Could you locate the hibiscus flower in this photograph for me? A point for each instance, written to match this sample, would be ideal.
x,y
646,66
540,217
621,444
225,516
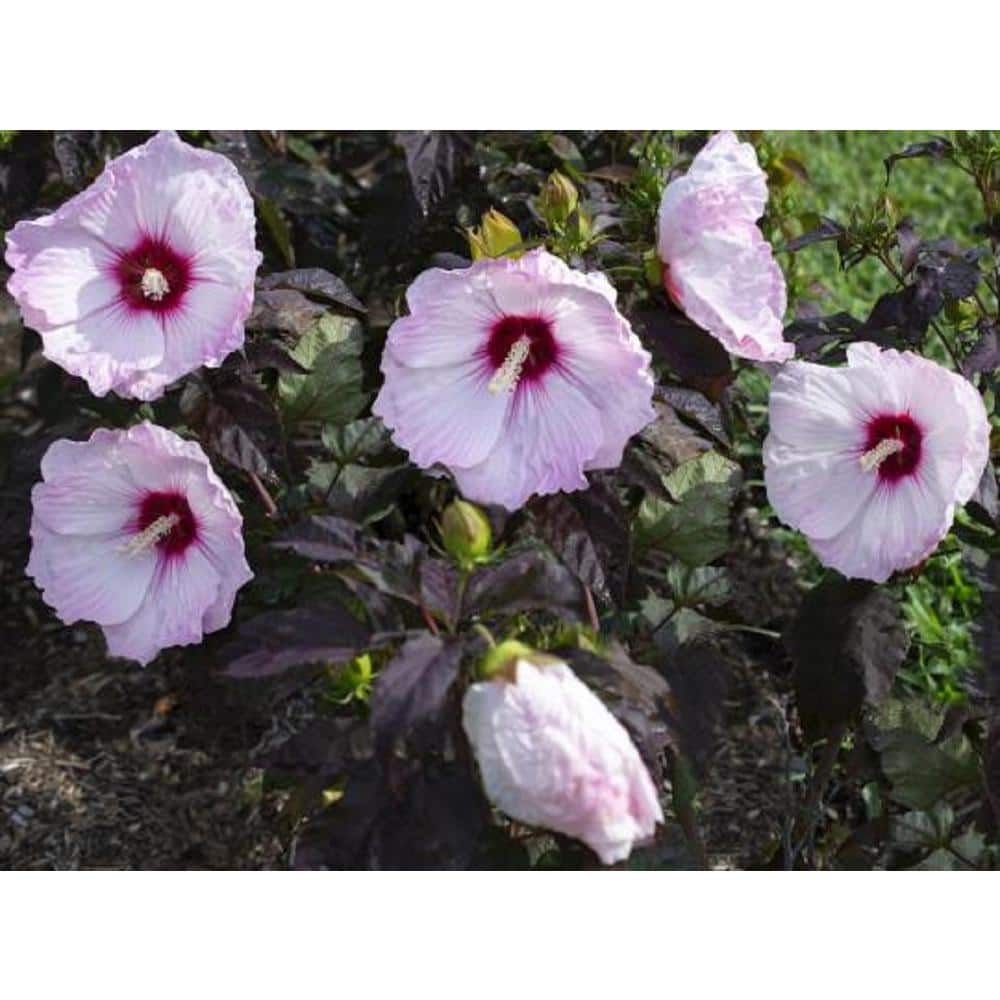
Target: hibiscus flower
x,y
552,755
516,376
134,531
718,268
870,460
145,275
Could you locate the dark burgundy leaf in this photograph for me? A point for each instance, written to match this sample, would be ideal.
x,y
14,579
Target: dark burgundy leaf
x,y
684,347
697,409
984,569
323,539
237,419
909,244
991,766
411,691
338,838
313,281
811,335
436,823
589,531
986,498
637,695
439,589
325,749
847,643
278,640
529,580
283,309
431,160
698,676
937,148
828,229
985,356
263,354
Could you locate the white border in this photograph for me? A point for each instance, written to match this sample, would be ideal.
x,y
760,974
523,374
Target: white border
x,y
521,64
496,936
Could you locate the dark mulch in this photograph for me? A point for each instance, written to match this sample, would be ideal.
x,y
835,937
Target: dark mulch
x,y
107,765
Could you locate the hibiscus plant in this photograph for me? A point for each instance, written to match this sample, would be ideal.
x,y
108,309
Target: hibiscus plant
x,y
505,456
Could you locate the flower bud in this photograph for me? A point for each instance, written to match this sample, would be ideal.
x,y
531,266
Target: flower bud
x,y
466,532
557,200
551,754
496,236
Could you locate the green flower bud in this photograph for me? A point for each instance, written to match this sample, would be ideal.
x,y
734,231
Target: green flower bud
x,y
466,532
558,200
496,236
499,661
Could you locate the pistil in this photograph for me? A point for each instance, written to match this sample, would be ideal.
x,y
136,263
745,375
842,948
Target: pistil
x,y
148,537
509,373
154,285
871,460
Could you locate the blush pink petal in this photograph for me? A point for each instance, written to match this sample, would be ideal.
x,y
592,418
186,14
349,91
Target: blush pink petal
x,y
68,278
443,414
539,434
86,577
552,432
172,614
551,755
719,268
856,521
87,513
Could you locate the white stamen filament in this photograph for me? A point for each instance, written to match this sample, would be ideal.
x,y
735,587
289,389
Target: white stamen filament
x,y
147,538
509,373
872,459
154,284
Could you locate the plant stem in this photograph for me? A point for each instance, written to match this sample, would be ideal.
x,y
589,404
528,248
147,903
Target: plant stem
x,y
805,828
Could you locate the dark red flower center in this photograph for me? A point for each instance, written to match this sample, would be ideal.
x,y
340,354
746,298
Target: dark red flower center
x,y
153,276
172,512
898,427
529,337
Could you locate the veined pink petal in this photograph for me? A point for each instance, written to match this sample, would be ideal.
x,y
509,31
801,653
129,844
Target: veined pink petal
x,y
88,576
443,414
718,267
870,460
160,246
133,530
551,755
516,375
107,347
171,614
551,433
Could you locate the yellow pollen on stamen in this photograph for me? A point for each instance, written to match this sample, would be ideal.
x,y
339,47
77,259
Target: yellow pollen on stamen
x,y
154,284
509,373
872,459
147,538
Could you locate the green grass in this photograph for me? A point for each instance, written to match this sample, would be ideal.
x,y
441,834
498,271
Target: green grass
x,y
847,169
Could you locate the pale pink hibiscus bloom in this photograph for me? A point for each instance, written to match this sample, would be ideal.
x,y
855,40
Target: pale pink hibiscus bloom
x,y
869,461
718,268
145,275
551,755
134,531
516,376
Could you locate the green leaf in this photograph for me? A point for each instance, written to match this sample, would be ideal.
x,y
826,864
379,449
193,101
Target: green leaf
x,y
277,226
366,474
922,773
331,392
709,468
695,528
